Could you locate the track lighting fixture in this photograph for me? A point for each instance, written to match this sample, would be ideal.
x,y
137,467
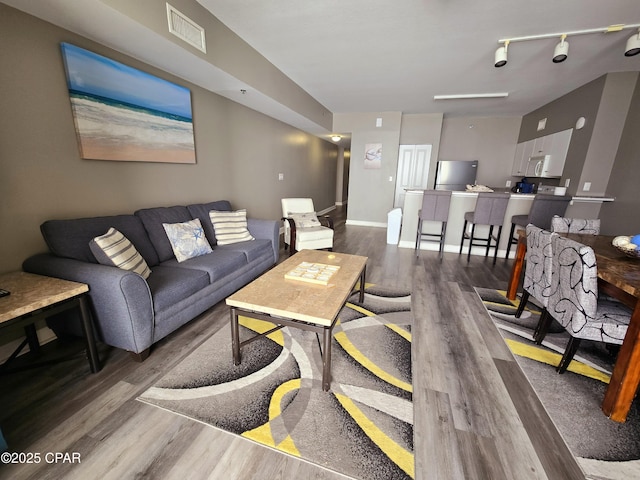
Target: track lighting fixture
x,y
501,55
633,45
561,50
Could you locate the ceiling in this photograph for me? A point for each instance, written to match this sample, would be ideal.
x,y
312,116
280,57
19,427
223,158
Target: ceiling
x,y
384,56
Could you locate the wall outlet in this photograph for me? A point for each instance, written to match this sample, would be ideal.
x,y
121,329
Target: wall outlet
x,y
587,186
281,176
508,183
567,182
391,179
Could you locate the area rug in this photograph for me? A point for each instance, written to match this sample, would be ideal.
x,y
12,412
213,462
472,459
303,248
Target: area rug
x,y
362,427
605,449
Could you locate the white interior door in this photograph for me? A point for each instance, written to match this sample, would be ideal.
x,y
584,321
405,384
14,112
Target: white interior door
x,y
413,170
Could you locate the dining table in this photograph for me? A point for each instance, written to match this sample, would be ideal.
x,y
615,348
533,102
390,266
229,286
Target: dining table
x,y
618,277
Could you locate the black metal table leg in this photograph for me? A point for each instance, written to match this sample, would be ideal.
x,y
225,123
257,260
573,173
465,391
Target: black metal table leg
x,y
326,359
89,334
235,336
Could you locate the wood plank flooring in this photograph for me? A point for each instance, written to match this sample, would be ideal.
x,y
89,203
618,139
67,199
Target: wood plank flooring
x,y
476,415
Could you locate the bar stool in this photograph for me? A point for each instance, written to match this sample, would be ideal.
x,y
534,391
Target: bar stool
x,y
435,208
543,208
490,210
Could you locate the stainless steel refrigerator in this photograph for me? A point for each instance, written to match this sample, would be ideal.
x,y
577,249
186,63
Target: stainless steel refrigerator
x,y
455,174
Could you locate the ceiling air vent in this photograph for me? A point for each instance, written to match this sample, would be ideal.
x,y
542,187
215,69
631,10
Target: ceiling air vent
x,y
186,29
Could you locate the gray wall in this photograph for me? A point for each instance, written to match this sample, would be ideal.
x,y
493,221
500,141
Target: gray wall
x,y
490,140
604,103
622,217
604,152
239,151
371,193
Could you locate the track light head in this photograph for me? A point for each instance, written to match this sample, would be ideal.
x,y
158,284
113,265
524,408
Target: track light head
x,y
561,51
501,56
633,45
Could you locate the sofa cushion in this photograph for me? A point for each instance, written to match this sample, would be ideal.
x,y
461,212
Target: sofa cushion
x,y
70,238
201,211
218,264
153,218
187,239
170,285
230,227
114,249
252,250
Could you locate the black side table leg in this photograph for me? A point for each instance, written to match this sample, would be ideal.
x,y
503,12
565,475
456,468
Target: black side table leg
x,y
89,335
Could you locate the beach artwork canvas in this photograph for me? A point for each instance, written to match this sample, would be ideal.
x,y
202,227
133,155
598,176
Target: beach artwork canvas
x,y
124,114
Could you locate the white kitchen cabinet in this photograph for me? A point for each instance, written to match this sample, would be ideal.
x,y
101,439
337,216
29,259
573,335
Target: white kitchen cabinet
x,y
554,146
557,152
524,151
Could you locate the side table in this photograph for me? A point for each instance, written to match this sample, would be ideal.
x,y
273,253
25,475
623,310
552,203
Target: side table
x,y
35,297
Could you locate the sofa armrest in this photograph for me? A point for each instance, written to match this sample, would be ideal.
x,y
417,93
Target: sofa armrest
x,y
267,229
121,300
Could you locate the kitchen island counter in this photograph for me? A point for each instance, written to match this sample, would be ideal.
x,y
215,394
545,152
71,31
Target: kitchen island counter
x,y
462,202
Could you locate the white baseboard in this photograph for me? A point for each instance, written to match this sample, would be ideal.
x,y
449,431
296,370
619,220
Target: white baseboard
x,y
434,247
361,223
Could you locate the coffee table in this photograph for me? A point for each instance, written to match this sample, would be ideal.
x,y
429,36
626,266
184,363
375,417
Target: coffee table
x,y
295,303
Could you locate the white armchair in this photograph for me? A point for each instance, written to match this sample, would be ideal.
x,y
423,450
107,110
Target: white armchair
x,y
303,229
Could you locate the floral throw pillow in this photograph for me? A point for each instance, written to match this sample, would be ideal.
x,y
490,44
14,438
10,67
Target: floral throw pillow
x,y
305,220
187,239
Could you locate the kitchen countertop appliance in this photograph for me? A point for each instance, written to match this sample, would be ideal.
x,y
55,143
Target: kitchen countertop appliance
x,y
524,186
455,175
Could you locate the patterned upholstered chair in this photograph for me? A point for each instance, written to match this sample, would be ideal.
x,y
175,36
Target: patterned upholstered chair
x,y
574,299
303,229
537,274
489,211
435,208
575,225
543,208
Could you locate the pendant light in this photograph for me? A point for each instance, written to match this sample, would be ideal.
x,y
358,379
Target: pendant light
x,y
633,45
561,51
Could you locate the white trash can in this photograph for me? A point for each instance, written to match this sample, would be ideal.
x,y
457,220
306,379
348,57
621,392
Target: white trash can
x,y
394,220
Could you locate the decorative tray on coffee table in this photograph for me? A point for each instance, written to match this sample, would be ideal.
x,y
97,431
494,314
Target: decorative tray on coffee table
x,y
318,273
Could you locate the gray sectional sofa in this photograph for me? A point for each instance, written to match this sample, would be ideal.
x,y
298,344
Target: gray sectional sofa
x,y
132,313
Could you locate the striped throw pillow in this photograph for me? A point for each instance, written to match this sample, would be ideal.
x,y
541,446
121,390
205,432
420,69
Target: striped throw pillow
x,y
230,227
114,249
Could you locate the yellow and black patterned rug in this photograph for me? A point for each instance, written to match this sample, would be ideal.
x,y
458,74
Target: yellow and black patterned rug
x,y
362,427
605,449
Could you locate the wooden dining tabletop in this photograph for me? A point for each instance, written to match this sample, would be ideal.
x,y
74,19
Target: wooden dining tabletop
x,y
618,277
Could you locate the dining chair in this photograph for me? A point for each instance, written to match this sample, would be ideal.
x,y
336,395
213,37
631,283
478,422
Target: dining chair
x,y
490,209
435,208
303,229
576,225
543,208
537,274
574,301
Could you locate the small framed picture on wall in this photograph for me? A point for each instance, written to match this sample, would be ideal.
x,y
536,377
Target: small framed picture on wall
x,y
373,155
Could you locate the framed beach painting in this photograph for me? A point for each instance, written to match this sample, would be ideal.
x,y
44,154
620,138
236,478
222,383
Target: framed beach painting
x,y
124,114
